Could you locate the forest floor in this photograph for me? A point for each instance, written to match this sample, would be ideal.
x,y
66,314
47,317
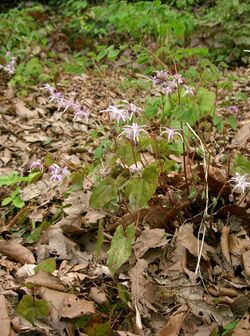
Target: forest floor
x,y
158,291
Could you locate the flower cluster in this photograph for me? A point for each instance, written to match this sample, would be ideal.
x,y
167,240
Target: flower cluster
x,y
167,83
80,112
56,172
10,66
123,112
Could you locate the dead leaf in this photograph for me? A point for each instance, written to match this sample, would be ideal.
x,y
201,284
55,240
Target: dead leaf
x,y
187,239
71,224
76,203
174,324
12,249
246,263
93,216
225,244
243,327
149,239
44,279
74,307
57,242
42,189
4,317
23,112
242,137
98,296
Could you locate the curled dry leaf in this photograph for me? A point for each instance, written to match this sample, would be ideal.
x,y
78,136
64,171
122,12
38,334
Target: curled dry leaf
x,y
98,296
225,243
187,239
12,249
149,239
4,317
173,325
71,224
23,112
246,263
44,279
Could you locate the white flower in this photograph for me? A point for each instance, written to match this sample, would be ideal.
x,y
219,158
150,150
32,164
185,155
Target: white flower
x,y
132,132
171,133
116,113
240,183
188,90
130,108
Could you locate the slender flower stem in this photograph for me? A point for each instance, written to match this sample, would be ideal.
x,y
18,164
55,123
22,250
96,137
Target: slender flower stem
x,y
184,159
133,151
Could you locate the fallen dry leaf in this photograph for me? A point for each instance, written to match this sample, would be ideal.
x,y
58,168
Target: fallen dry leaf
x,y
187,239
12,249
74,307
98,296
246,263
4,317
149,239
44,279
23,112
243,327
174,324
225,243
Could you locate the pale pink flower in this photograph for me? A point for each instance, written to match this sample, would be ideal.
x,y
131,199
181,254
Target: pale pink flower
x,y
160,77
10,66
116,113
167,89
54,169
133,131
178,79
233,109
130,108
240,182
57,173
81,113
171,133
36,165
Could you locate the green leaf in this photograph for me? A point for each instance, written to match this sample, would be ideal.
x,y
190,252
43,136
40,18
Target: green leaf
x,y
10,179
230,326
6,201
140,190
36,233
103,329
18,202
241,164
48,265
206,101
125,153
232,121
32,309
103,194
121,247
123,293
